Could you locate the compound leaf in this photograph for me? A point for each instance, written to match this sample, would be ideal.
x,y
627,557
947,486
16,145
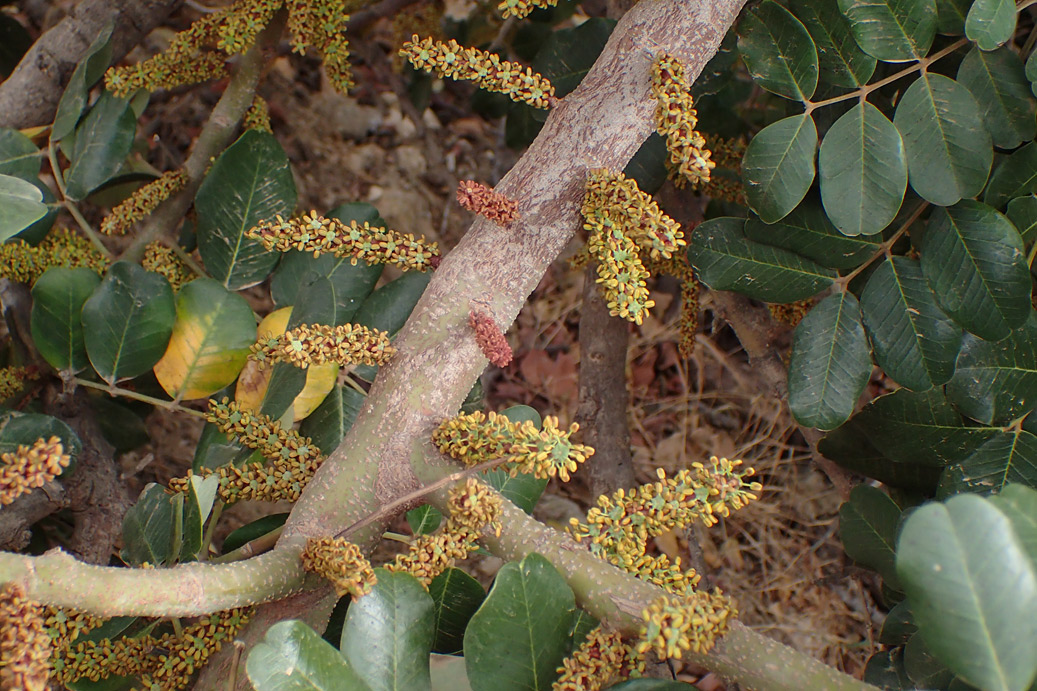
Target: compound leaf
x,y
892,30
990,23
1006,458
840,59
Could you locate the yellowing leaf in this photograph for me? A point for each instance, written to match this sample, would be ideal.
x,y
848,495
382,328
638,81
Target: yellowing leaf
x,y
253,382
211,337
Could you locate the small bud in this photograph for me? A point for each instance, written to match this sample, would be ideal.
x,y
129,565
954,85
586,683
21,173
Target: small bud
x,y
480,199
490,339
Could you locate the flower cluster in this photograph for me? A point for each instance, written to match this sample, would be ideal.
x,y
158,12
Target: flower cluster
x,y
293,458
692,622
31,466
319,344
725,182
487,70
142,202
431,555
342,563
675,120
13,378
163,261
473,507
480,199
619,527
21,262
200,52
314,233
478,437
491,341
25,646
257,117
163,663
678,267
623,223
522,8
602,658
184,62
792,313
664,573
66,625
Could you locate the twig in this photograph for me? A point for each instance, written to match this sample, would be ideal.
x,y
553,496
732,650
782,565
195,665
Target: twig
x,y
217,510
126,393
261,544
390,508
184,256
884,248
70,206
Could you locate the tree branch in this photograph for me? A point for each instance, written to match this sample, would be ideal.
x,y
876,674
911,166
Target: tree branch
x,y
30,95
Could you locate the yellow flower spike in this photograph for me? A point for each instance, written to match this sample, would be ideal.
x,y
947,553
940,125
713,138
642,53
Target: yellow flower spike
x,y
314,233
318,344
692,622
618,198
24,263
243,22
12,380
25,646
675,119
321,24
474,506
293,459
487,70
64,626
142,202
257,117
162,260
30,467
600,659
342,563
431,555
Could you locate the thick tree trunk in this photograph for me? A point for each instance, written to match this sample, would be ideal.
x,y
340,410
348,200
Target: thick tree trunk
x,y
30,95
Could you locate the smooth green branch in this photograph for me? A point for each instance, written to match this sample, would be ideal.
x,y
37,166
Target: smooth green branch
x,y
57,578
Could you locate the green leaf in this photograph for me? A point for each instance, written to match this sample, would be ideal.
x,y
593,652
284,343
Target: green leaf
x,y
914,342
898,626
885,670
351,284
567,55
57,327
996,382
23,429
830,363
147,528
18,155
778,166
724,259
904,439
863,171
973,259
389,633
520,635
1019,503
808,232
211,337
456,597
250,182
1022,212
330,422
948,148
424,519
892,30
127,321
1005,458
197,506
388,307
1030,70
778,51
251,531
1016,176
973,590
997,82
841,61
525,489
293,657
120,424
102,142
868,527
950,16
922,667
88,71
22,203
990,23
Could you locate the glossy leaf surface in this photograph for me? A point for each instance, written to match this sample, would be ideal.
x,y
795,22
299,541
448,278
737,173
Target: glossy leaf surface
x,y
778,167
778,51
57,325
